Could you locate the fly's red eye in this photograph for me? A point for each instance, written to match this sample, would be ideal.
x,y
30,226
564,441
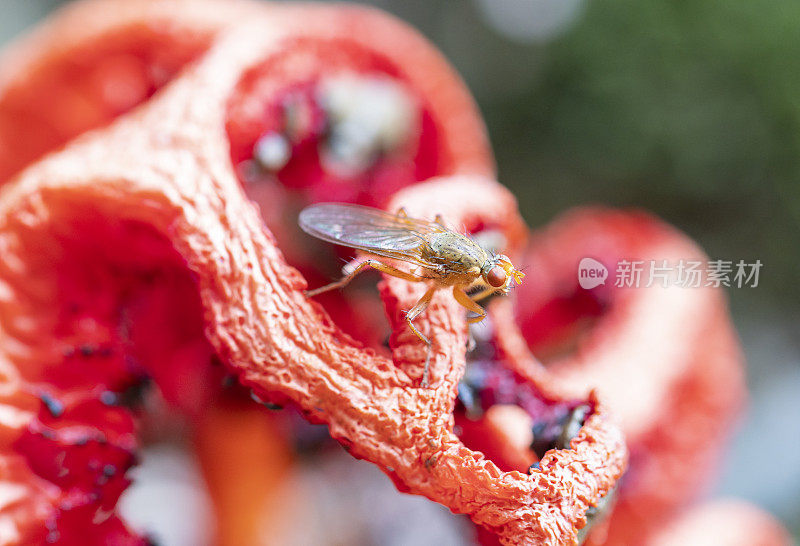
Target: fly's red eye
x,y
496,277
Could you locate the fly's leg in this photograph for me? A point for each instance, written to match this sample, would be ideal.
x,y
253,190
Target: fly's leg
x,y
413,313
417,310
483,294
374,264
350,266
439,220
462,298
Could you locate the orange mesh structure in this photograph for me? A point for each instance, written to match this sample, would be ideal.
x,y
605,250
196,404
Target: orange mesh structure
x,y
136,252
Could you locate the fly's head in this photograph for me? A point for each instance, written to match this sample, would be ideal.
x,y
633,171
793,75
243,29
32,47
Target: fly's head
x,y
499,272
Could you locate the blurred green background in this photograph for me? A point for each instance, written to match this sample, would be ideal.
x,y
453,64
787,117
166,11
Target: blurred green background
x,y
688,109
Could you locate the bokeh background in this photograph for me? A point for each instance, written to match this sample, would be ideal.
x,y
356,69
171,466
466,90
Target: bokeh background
x,y
688,109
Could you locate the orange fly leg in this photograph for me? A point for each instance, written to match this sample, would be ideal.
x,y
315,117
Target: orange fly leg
x,y
413,313
483,294
375,264
462,298
350,266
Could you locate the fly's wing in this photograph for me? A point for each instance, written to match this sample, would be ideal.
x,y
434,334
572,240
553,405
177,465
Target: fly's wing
x,y
371,230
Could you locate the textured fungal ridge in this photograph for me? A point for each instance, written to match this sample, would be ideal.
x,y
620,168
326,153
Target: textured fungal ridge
x,y
137,251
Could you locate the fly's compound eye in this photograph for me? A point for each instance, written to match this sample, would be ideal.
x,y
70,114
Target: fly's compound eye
x,y
496,277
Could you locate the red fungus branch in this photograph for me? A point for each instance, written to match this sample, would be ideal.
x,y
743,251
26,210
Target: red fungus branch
x,y
146,223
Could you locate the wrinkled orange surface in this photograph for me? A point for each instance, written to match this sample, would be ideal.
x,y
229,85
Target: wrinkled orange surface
x,y
139,240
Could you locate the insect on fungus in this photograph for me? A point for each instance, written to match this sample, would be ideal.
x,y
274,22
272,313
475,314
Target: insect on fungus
x,y
444,258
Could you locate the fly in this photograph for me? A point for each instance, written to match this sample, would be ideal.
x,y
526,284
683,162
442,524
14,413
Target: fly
x,y
443,259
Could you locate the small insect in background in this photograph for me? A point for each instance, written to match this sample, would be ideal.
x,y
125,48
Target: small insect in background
x,y
443,258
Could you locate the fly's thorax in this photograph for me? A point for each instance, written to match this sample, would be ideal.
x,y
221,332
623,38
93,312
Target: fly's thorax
x,y
455,252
